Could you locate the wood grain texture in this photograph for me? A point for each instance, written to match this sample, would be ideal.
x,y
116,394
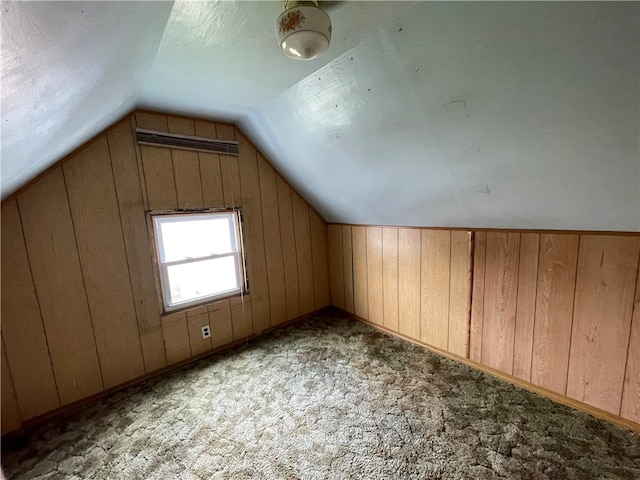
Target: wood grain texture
x,y
360,296
152,121
22,330
226,131
220,322
460,293
500,297
434,287
53,255
630,406
304,258
288,240
10,414
347,258
176,337
374,275
409,246
526,308
231,181
96,219
157,166
186,166
336,266
390,278
477,296
137,244
241,318
254,238
198,344
272,242
210,174
554,310
605,289
320,254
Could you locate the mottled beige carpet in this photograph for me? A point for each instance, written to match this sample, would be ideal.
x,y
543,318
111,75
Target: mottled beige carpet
x,y
327,398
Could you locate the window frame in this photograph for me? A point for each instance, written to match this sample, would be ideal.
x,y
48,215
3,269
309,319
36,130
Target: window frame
x,y
161,269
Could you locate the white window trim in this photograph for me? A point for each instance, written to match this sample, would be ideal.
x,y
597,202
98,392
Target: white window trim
x,y
162,279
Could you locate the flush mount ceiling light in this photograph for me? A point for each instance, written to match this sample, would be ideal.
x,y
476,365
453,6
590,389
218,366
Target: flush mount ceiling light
x,y
303,30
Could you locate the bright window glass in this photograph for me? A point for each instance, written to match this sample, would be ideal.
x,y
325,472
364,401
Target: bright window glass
x,y
198,257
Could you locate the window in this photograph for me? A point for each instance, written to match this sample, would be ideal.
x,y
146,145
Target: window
x,y
199,257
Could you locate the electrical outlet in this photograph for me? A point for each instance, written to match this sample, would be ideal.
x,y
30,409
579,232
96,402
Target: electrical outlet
x,y
206,331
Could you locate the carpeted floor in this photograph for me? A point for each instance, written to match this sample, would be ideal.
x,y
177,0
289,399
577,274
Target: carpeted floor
x,y
327,398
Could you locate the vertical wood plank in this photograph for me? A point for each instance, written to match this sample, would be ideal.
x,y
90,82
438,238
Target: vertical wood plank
x,y
554,310
360,296
460,293
289,246
210,174
137,245
336,266
186,166
254,237
347,257
226,131
630,406
605,289
10,414
220,322
272,242
230,181
409,244
241,318
526,305
51,245
195,323
303,253
176,337
390,277
22,330
500,297
374,275
152,121
95,213
434,287
477,296
320,254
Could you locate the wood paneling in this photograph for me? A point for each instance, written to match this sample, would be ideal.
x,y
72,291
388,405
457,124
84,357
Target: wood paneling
x,y
96,218
336,266
220,322
10,414
22,329
347,258
319,252
409,245
186,167
231,181
434,287
630,407
360,298
176,337
554,310
241,318
288,240
210,174
195,323
605,289
53,256
460,293
390,278
374,275
302,231
477,294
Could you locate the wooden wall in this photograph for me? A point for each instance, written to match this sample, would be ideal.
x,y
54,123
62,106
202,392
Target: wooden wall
x,y
80,309
557,310
415,282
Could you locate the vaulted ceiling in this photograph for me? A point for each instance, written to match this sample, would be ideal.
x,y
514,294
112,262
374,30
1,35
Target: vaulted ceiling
x,y
501,114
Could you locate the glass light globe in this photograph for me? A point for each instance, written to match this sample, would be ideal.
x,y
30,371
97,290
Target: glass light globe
x,y
303,32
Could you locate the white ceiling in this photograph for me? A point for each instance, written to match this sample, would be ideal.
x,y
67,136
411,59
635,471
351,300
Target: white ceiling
x,y
506,114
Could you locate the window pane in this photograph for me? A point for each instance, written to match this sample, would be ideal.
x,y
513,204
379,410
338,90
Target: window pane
x,y
195,237
202,279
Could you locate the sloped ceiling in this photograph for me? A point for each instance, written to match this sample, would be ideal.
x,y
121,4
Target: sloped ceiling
x,y
505,114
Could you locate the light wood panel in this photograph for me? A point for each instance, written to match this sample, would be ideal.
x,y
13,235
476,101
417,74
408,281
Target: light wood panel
x,y
53,256
605,288
630,406
554,310
272,242
319,251
374,275
186,167
137,244
477,294
409,245
210,174
22,330
231,180
336,266
176,337
220,322
96,219
195,323
302,231
288,240
347,258
459,293
360,296
10,414
241,317
434,287
526,305
390,278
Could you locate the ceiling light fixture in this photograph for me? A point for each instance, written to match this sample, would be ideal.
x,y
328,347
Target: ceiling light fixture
x,y
303,30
